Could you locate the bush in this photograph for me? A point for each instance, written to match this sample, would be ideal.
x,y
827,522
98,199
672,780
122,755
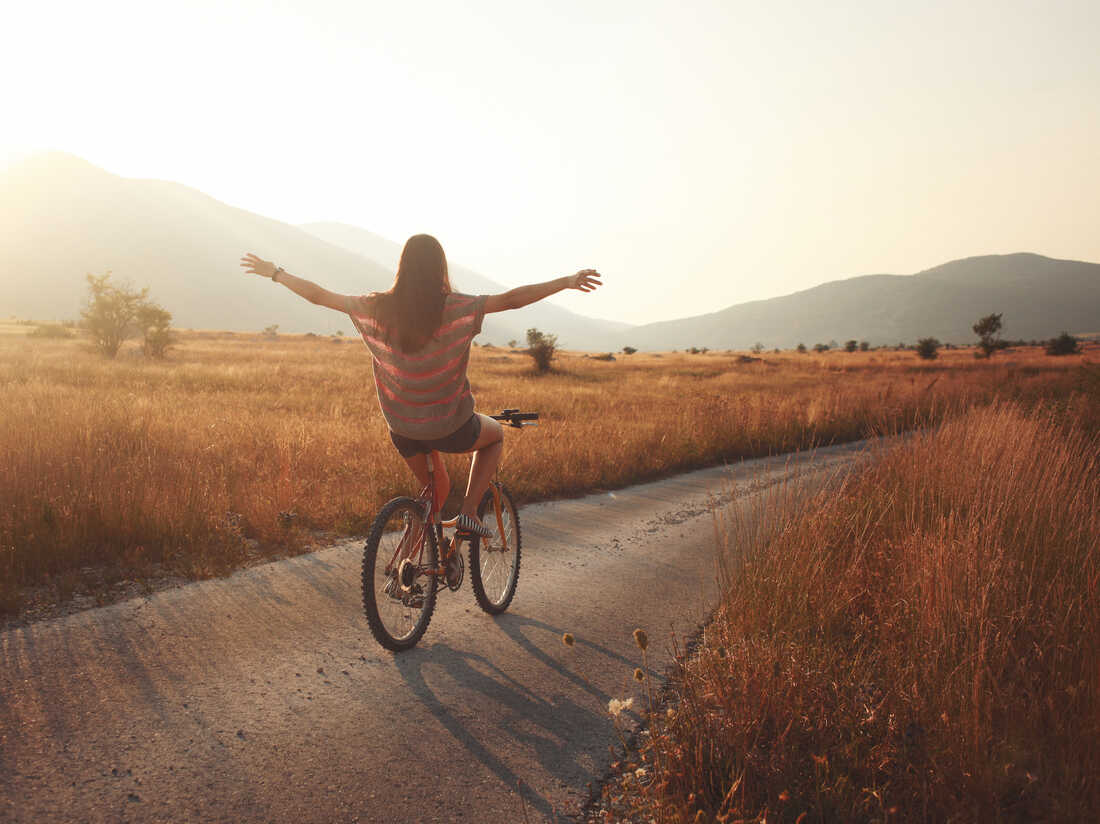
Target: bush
x,y
542,348
155,323
851,346
271,332
801,349
109,312
986,329
821,347
864,345
927,348
1064,344
629,350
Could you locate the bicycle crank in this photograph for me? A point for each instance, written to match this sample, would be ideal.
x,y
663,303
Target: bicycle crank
x,y
456,571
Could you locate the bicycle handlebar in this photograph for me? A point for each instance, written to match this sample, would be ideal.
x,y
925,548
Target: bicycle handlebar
x,y
513,417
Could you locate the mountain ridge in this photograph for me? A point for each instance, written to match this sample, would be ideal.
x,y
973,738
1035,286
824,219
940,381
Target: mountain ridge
x,y
61,216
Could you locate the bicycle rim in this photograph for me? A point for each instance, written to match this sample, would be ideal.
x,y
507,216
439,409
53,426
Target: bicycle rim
x,y
398,599
494,561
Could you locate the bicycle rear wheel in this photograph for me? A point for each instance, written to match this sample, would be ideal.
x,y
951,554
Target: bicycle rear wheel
x,y
398,587
494,561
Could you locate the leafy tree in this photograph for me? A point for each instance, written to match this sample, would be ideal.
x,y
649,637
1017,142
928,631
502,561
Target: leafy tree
x,y
512,344
864,346
542,348
801,348
851,346
757,348
1064,344
629,350
821,347
927,348
986,329
109,312
155,323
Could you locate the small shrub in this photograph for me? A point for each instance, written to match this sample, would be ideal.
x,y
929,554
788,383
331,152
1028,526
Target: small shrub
x,y
1064,344
821,347
542,348
851,345
864,346
606,356
757,348
927,348
155,323
801,349
271,332
629,350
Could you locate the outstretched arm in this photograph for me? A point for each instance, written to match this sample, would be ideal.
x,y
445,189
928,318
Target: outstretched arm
x,y
299,286
586,280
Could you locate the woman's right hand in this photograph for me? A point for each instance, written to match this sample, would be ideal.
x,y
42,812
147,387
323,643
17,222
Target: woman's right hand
x,y
586,280
257,266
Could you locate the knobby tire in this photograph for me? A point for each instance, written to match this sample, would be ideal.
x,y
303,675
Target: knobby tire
x,y
496,601
377,537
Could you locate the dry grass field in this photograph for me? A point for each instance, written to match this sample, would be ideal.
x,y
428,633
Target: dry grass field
x,y
237,448
920,644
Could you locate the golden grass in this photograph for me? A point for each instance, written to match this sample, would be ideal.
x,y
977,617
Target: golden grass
x,y
919,645
237,447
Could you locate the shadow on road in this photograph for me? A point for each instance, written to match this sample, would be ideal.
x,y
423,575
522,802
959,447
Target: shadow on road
x,y
557,731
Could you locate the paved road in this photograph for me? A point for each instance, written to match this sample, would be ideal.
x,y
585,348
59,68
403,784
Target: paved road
x,y
263,697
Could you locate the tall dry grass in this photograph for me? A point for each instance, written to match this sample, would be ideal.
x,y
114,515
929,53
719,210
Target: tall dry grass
x,y
237,447
921,644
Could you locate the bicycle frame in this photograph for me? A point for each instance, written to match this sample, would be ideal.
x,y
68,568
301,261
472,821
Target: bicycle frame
x,y
447,548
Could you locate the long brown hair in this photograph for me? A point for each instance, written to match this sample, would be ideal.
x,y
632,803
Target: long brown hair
x,y
411,311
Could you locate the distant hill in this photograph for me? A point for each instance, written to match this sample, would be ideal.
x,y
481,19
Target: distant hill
x,y
62,217
1038,296
573,330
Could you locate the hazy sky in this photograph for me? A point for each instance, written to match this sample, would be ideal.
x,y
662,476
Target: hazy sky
x,y
699,153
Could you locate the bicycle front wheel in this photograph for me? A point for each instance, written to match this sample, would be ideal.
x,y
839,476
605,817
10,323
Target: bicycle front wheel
x,y
399,584
494,561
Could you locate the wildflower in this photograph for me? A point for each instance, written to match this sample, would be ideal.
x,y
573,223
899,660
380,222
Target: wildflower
x,y
616,706
641,639
639,675
568,639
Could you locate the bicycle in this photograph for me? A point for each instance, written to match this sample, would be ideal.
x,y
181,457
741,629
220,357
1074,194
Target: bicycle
x,y
407,556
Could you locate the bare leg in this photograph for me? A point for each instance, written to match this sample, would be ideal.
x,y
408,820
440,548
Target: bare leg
x,y
487,453
419,465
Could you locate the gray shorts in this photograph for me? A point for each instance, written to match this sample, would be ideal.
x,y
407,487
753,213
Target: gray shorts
x,y
461,440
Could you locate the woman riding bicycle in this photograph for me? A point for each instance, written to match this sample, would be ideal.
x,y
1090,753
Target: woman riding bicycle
x,y
419,333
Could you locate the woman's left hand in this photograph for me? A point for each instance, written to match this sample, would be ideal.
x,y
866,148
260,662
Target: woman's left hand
x,y
258,266
586,280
